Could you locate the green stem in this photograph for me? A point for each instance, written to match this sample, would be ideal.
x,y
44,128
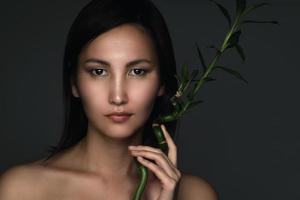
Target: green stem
x,y
167,118
216,57
206,74
142,169
230,32
160,137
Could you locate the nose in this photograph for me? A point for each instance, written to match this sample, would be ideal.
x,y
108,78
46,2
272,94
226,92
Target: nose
x,y
118,93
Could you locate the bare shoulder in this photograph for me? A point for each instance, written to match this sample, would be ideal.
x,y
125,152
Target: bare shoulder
x,y
195,188
19,181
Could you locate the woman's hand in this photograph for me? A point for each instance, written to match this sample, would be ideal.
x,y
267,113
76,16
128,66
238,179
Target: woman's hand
x,y
164,168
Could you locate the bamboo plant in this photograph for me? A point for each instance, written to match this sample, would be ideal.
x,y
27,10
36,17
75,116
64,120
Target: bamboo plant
x,y
189,85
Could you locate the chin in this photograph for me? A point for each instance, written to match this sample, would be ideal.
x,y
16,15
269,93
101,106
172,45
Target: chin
x,y
120,132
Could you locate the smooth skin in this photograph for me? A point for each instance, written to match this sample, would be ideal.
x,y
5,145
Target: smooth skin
x,y
117,71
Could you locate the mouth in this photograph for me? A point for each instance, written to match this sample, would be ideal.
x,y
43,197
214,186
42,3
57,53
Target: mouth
x,y
119,118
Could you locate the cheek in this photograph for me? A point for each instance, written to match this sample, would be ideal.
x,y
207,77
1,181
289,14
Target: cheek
x,y
92,96
144,95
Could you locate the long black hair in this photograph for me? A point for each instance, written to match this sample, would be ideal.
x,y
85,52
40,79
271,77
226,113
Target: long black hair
x,y
95,18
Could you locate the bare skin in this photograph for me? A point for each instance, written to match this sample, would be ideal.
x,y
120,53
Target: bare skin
x,y
36,182
101,166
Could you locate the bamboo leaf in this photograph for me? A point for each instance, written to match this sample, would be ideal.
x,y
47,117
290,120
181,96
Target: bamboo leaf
x,y
189,105
177,77
201,58
255,6
234,39
180,87
194,103
224,11
179,105
209,79
240,51
240,6
233,72
185,73
191,93
260,22
184,109
213,47
194,73
186,78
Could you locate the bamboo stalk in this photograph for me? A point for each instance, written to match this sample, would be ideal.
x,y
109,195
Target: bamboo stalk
x,y
180,106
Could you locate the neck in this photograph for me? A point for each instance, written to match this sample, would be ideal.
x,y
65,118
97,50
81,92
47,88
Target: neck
x,y
109,157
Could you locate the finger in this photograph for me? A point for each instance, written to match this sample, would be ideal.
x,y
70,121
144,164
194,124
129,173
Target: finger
x,y
172,154
148,148
155,150
168,182
159,159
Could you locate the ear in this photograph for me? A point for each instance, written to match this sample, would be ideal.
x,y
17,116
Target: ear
x,y
161,90
74,89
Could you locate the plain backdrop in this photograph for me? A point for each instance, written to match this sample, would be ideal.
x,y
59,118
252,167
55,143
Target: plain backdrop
x,y
244,139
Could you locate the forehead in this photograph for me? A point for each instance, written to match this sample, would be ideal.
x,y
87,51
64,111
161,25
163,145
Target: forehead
x,y
127,41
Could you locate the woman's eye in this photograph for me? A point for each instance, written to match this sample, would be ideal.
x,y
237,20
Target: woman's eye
x,y
139,72
97,72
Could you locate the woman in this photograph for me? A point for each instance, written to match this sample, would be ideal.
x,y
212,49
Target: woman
x,y
118,74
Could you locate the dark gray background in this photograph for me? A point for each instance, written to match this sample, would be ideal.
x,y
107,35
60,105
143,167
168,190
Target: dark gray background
x,y
244,139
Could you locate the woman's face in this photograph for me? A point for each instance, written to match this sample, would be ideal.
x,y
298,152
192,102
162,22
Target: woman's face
x,y
118,72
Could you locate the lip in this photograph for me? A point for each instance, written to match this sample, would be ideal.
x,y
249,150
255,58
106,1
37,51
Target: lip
x,y
119,117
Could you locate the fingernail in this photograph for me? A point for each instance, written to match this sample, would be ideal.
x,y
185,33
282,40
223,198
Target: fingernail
x,y
131,147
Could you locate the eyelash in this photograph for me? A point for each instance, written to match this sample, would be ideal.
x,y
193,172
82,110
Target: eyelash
x,y
93,70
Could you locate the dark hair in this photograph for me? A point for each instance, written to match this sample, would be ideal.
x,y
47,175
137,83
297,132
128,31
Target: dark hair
x,y
95,18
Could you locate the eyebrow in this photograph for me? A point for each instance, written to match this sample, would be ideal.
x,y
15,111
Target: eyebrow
x,y
103,62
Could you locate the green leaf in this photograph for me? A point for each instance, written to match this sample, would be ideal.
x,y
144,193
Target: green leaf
x,y
179,105
224,11
177,77
185,73
233,72
209,79
213,47
240,51
185,108
187,84
180,87
234,39
183,78
260,22
240,6
255,6
186,79
189,105
197,102
190,93
201,58
194,73
194,103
